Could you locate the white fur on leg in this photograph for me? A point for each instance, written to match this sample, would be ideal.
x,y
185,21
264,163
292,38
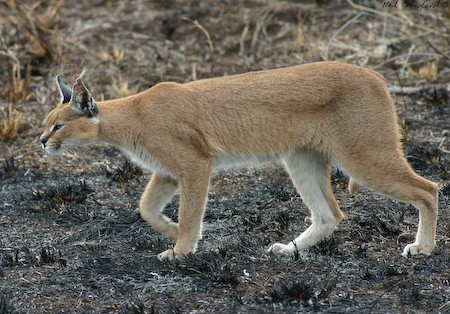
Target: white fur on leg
x,y
310,173
425,239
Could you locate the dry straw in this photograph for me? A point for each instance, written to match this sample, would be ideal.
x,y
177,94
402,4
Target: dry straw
x,y
211,47
36,24
11,124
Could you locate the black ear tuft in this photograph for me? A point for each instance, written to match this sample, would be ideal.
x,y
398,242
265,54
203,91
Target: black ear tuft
x,y
64,90
82,100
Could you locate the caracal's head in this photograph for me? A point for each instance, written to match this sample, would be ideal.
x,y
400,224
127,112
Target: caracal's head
x,y
74,122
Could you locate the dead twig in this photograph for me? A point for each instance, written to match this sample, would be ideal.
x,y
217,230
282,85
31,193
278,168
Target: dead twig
x,y
55,102
435,49
81,64
61,54
242,39
338,31
404,90
386,291
405,121
406,55
211,47
60,67
319,51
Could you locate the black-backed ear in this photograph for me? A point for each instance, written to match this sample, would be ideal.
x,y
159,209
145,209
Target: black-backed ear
x,y
82,100
64,90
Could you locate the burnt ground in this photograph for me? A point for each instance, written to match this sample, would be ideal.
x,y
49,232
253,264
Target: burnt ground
x,y
72,239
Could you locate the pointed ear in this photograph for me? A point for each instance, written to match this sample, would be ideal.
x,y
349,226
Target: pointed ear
x,y
82,100
64,91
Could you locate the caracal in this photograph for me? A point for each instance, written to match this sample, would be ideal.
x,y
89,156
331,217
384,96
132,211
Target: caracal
x,y
305,117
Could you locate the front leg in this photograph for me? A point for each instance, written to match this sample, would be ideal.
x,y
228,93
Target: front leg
x,y
193,192
158,192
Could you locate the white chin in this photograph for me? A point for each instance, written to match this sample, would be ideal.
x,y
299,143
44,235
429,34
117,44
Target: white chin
x,y
51,151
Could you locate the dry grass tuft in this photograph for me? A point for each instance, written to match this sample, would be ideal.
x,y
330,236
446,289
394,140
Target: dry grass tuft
x,y
18,88
117,54
11,124
428,71
36,23
121,86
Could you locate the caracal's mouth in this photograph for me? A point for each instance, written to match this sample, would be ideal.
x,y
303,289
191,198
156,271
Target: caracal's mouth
x,y
57,148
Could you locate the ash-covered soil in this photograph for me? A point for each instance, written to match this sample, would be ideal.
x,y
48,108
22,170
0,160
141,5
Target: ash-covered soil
x,y
72,240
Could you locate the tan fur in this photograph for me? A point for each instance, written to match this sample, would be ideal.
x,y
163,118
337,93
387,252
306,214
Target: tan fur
x,y
305,116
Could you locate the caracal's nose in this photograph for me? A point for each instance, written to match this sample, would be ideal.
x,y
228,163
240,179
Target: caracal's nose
x,y
43,140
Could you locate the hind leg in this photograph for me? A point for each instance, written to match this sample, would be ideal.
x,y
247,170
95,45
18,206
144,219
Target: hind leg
x,y
424,195
393,177
310,172
157,193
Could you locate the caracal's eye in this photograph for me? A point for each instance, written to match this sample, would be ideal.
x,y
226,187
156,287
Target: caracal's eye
x,y
57,127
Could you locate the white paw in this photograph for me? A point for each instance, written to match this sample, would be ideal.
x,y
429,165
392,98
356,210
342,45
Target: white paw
x,y
280,248
167,255
415,249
